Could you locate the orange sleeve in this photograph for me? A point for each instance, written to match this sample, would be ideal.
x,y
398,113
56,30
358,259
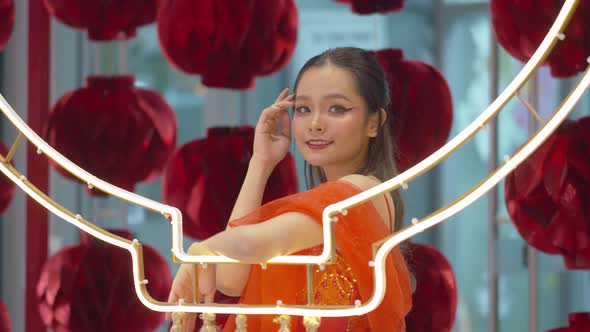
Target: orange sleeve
x,y
355,234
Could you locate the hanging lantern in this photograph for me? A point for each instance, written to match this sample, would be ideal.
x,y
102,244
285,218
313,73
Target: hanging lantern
x,y
434,302
4,318
117,132
6,21
90,287
6,186
228,42
104,19
520,27
203,179
547,196
421,111
578,322
364,7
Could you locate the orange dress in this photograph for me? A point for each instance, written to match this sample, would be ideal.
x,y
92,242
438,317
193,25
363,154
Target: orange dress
x,y
349,279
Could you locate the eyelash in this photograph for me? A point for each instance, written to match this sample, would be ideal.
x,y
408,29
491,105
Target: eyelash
x,y
339,109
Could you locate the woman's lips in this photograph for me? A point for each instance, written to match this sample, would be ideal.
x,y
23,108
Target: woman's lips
x,y
318,144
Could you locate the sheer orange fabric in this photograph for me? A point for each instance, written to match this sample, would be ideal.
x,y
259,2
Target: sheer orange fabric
x,y
350,278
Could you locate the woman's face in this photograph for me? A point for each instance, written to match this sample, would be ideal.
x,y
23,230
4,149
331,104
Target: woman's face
x,y
330,123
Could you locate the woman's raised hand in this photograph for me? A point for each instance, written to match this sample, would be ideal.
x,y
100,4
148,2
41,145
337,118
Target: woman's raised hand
x,y
273,131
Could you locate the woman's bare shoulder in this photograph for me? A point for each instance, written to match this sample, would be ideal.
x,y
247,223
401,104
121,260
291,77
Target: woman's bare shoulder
x,y
364,182
385,207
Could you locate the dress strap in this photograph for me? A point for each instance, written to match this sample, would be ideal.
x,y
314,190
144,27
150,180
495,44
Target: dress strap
x,y
391,221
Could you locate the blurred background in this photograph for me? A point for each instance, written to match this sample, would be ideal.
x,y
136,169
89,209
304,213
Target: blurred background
x,y
502,283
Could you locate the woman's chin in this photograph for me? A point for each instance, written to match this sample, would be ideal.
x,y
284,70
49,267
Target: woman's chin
x,y
313,162
318,158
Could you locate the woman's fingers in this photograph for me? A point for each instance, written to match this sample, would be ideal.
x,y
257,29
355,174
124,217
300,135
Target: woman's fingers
x,y
290,97
181,286
277,110
207,283
172,298
282,95
286,102
270,116
283,101
285,124
274,109
191,320
209,298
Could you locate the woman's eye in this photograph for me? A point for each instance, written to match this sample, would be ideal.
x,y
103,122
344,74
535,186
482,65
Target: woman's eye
x,y
339,109
301,109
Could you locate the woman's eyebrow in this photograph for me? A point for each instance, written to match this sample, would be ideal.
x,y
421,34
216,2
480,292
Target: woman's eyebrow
x,y
335,96
301,97
328,96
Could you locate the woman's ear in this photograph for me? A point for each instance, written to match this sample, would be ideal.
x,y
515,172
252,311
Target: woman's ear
x,y
383,116
374,122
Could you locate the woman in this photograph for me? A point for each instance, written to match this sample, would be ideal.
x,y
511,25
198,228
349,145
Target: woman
x,y
339,103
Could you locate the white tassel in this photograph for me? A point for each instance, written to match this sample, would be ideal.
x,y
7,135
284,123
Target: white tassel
x,y
177,322
284,320
241,323
312,324
209,324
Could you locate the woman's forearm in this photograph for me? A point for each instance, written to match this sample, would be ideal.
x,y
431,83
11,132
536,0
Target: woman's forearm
x,y
282,234
232,243
250,196
232,278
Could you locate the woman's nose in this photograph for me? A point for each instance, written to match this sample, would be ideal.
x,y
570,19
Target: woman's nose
x,y
317,123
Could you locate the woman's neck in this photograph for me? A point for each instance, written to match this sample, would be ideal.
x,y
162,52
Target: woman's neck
x,y
334,172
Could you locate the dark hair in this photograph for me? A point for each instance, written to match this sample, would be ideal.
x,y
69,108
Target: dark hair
x,y
373,87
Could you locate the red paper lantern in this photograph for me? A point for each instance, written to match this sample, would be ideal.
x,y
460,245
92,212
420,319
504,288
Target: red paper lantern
x,y
4,318
104,19
203,179
547,196
578,322
6,21
364,7
228,42
421,112
6,186
117,132
89,287
434,302
520,27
